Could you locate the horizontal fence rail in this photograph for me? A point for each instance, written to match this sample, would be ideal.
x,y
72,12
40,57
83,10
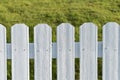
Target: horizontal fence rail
x,y
65,50
54,50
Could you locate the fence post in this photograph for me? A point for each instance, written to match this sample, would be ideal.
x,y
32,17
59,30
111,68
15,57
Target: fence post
x,y
43,52
88,50
20,52
110,51
65,52
3,54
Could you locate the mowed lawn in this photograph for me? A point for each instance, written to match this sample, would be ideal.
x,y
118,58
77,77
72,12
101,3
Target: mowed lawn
x,y
76,12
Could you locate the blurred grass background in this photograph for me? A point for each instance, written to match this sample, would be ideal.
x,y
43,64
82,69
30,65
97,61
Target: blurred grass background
x,y
55,12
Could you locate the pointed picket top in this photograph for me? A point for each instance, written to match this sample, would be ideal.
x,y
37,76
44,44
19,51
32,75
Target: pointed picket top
x,y
111,37
88,51
43,52
65,52
3,54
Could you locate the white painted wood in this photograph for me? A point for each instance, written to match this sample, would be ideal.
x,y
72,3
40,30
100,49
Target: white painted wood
x,y
43,52
3,67
110,51
88,50
20,52
65,52
54,50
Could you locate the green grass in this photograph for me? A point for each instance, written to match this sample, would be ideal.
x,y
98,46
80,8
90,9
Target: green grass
x,y
55,12
76,12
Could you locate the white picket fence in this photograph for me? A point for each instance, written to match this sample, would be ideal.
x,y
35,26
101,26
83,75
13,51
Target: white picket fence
x,y
65,50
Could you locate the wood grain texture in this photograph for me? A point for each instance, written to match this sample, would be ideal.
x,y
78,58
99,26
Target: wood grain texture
x,y
43,52
20,52
88,50
110,51
65,52
3,54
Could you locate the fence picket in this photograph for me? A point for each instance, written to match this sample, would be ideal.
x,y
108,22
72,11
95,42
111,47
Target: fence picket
x,y
20,52
43,52
88,50
65,52
3,67
110,51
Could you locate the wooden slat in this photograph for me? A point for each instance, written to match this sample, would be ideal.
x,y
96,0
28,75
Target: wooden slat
x,y
20,52
3,67
43,52
110,51
65,52
88,50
